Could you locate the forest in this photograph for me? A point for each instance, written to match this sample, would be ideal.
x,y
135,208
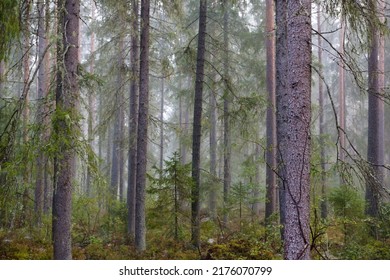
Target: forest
x,y
196,129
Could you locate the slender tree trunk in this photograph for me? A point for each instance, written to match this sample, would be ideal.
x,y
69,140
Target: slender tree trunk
x,y
341,128
118,130
43,87
162,125
324,204
91,100
226,109
281,104
142,136
270,202
133,122
197,128
66,107
2,78
213,156
297,227
375,148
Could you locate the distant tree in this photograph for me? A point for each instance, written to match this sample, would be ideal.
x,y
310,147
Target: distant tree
x,y
270,203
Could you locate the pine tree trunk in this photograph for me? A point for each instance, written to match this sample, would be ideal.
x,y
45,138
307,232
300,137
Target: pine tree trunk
x,y
162,126
65,125
43,87
213,156
226,108
297,157
324,204
341,128
270,203
91,101
281,104
196,136
375,148
133,122
142,136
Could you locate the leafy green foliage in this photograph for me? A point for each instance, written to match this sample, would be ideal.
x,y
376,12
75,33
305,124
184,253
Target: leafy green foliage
x,y
9,25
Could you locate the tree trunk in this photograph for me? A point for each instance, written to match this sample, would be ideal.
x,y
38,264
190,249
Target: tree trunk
x,y
226,108
213,156
270,202
162,126
281,104
375,148
324,204
341,128
297,229
142,136
197,127
65,125
42,113
133,122
91,101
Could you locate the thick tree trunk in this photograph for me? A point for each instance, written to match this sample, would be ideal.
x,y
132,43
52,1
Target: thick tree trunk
x,y
281,104
142,136
270,203
197,127
133,122
65,128
375,148
297,156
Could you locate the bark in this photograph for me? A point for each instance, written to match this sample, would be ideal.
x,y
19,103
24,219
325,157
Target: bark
x,y
297,227
133,122
270,202
65,125
197,127
324,205
142,136
281,104
226,108
375,148
2,78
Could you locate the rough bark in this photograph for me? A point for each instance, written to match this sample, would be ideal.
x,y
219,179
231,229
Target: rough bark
x,y
197,127
142,136
297,156
65,125
133,121
281,103
375,145
270,202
